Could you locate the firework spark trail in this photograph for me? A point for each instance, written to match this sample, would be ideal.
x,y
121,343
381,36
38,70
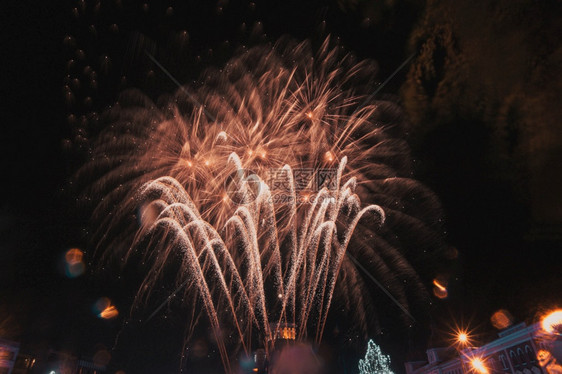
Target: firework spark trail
x,y
317,240
282,109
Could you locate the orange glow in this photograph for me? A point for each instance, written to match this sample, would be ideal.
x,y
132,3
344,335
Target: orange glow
x,y
104,309
501,319
462,338
74,256
309,115
543,357
207,163
438,285
288,333
479,366
553,321
74,263
439,290
109,312
329,156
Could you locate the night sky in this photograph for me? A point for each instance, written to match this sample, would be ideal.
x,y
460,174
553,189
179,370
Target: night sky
x,y
482,98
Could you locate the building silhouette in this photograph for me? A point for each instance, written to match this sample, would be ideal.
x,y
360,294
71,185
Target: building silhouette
x,y
516,351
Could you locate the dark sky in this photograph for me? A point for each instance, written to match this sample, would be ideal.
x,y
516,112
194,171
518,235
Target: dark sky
x,y
482,95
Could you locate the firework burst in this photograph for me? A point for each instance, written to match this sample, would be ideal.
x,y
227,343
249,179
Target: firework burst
x,y
176,183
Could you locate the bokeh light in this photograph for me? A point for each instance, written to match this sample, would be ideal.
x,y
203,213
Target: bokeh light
x,y
104,309
74,256
501,319
74,265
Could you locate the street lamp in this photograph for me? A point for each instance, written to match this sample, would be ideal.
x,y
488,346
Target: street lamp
x,y
478,365
462,338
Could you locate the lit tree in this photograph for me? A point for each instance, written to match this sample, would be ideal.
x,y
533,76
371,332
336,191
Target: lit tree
x,y
375,362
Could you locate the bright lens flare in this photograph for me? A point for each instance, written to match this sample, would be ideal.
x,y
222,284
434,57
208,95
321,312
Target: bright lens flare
x,y
461,337
478,365
553,321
